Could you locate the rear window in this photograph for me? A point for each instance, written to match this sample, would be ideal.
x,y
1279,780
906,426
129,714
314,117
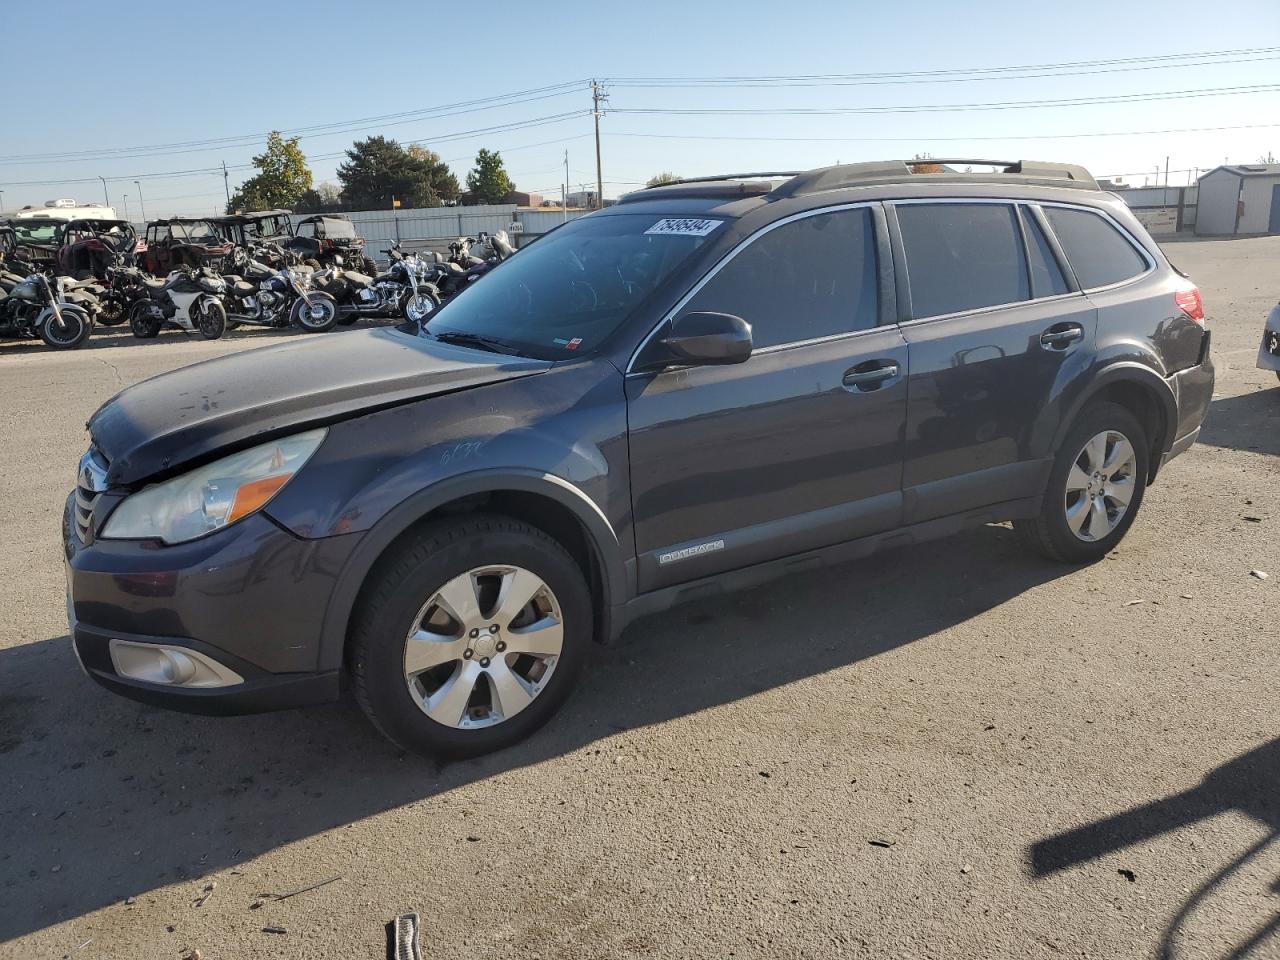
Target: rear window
x,y
962,256
1099,253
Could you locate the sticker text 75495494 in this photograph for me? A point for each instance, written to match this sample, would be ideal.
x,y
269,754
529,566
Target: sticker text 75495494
x,y
685,227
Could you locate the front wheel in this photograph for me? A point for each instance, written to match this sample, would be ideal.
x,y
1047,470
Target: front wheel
x,y
71,332
212,319
113,312
471,636
1095,487
318,317
419,305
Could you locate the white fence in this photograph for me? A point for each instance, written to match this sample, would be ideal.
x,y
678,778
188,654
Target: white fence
x,y
380,227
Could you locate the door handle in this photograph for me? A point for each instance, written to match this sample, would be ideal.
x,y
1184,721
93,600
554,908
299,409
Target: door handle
x,y
867,377
1060,336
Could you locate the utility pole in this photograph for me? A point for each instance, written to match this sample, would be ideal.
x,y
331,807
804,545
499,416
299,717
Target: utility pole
x,y
597,98
142,203
1166,182
104,191
126,206
226,185
564,189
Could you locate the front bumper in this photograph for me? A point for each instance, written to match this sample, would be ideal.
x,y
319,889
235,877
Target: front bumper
x,y
251,597
1269,348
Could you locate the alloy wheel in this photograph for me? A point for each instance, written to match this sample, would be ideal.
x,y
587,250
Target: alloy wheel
x,y
483,646
1100,484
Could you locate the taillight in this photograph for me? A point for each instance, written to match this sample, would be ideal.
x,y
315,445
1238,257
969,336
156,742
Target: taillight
x,y
1189,302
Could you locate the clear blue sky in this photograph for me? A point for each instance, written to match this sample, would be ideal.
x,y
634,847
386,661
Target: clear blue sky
x,y
160,73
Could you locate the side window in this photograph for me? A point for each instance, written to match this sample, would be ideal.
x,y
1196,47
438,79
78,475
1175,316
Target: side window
x,y
813,277
962,256
1098,252
1046,276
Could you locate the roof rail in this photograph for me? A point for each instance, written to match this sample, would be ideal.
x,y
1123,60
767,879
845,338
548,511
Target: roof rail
x,y
725,176
857,174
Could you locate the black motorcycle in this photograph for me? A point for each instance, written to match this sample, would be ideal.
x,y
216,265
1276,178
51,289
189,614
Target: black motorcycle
x,y
453,274
262,296
37,307
402,291
189,299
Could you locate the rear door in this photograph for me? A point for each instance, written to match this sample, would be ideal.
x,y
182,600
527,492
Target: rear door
x,y
992,318
797,448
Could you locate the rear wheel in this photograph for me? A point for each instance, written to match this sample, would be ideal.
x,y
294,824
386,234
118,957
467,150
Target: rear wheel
x,y
1095,487
113,313
318,317
71,332
212,319
470,636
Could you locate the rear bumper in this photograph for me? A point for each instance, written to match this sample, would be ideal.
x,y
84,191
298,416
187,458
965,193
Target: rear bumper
x,y
1193,389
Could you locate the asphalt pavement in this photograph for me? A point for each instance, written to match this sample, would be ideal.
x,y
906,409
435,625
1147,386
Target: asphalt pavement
x,y
951,751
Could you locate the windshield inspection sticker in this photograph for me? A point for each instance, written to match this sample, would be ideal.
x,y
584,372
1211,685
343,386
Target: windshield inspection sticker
x,y
684,227
573,344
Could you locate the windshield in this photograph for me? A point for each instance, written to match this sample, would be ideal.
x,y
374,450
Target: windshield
x,y
199,231
33,232
569,290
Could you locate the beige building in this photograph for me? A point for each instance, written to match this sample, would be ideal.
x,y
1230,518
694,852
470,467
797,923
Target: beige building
x,y
1239,199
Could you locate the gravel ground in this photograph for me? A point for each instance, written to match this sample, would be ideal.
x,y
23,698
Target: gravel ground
x,y
952,751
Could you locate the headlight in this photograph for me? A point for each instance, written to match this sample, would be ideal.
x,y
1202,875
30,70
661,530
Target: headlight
x,y
213,496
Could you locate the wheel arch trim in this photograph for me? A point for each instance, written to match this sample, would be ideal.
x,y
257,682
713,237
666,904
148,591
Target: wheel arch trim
x,y
599,531
1127,372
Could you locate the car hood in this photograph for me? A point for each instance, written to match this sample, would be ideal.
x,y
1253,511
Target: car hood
x,y
164,423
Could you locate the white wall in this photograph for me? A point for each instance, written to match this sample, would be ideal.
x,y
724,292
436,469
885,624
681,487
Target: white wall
x,y
1216,206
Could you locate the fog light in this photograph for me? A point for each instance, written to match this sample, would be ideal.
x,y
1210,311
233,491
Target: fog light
x,y
169,666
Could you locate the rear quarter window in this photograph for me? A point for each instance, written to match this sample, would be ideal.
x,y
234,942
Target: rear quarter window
x,y
1099,253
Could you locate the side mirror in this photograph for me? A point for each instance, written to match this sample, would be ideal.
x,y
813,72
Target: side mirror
x,y
708,338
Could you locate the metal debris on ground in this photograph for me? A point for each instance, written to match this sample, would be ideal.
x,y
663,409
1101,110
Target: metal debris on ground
x,y
306,889
402,938
274,930
1260,574
882,843
208,892
1133,603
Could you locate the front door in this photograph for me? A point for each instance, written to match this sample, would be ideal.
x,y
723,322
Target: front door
x,y
797,448
993,319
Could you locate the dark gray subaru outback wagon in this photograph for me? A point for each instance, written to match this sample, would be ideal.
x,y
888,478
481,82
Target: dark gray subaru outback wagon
x,y
708,384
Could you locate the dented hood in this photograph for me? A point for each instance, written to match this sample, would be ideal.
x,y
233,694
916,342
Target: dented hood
x,y
194,413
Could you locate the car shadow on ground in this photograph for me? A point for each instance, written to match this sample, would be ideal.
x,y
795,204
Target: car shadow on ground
x,y
1249,784
1250,421
123,798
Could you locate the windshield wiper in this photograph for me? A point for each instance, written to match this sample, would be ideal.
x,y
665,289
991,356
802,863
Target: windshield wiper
x,y
492,344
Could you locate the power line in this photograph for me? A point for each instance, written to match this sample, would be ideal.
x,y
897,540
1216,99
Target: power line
x,y
929,138
1178,58
956,107
325,129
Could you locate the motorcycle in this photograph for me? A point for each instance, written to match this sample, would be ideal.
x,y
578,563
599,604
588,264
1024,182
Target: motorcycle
x,y
462,267
125,286
189,299
37,307
402,291
261,296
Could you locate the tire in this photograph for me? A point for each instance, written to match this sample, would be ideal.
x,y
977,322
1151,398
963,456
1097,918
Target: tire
x,y
325,304
75,329
212,321
113,313
401,592
426,295
143,320
1095,510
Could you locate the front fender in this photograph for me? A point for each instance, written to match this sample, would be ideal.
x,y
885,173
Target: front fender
x,y
600,534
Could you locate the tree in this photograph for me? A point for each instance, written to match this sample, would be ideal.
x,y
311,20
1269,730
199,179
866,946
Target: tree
x,y
325,198
282,179
927,167
488,181
658,179
378,170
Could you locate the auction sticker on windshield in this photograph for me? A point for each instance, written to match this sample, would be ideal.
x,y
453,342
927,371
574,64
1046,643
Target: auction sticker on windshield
x,y
685,227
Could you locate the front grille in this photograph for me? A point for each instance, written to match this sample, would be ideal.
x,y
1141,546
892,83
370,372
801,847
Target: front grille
x,y
91,481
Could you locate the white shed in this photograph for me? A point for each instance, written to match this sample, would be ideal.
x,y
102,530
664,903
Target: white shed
x,y
1239,199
